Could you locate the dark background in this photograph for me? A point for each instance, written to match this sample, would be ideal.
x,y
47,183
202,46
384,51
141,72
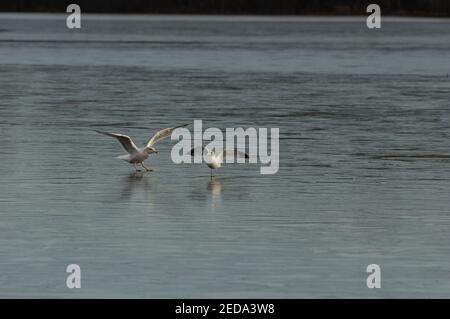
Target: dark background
x,y
291,7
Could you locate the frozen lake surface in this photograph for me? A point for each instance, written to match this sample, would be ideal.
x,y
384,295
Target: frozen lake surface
x,y
364,119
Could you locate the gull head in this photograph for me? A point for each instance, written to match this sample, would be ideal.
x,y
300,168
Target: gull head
x,y
150,150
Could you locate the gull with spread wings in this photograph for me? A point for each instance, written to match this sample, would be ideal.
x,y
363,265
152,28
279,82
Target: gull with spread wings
x,y
138,155
215,161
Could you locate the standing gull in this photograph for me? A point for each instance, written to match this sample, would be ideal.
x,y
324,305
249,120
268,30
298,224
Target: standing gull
x,y
138,155
215,160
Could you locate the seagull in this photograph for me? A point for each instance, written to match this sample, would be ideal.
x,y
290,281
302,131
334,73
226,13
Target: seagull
x,y
138,155
215,160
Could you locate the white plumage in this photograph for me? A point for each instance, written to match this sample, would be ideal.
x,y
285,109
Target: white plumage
x,y
215,161
138,155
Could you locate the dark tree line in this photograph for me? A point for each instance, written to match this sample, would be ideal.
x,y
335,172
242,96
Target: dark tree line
x,y
298,7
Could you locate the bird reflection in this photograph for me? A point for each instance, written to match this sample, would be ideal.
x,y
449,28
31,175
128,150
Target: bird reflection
x,y
136,182
215,187
201,193
218,189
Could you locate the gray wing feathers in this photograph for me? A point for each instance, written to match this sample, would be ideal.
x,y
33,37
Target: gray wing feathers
x,y
160,135
124,140
199,151
233,152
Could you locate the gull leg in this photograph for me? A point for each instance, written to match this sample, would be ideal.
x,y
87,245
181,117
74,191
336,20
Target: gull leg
x,y
134,165
146,168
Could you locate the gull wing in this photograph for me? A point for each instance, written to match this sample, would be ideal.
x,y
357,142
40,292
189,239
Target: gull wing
x,y
232,152
160,135
124,140
199,151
